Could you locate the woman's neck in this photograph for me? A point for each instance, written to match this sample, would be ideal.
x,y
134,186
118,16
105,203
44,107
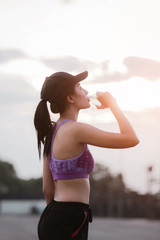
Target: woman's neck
x,y
68,115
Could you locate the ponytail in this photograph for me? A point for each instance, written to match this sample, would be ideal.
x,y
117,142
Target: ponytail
x,y
44,127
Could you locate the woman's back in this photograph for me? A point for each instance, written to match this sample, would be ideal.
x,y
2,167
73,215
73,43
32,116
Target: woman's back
x,y
65,147
64,144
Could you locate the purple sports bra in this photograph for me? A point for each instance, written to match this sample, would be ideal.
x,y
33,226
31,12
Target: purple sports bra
x,y
78,167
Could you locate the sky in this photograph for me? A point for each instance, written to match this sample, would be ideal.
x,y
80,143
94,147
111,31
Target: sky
x,y
117,42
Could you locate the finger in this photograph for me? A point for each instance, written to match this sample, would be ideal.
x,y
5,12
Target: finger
x,y
99,107
99,93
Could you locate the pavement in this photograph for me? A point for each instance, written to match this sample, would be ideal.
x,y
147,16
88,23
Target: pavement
x,y
25,227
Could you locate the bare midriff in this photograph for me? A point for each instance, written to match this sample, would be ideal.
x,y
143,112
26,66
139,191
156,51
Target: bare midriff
x,y
72,190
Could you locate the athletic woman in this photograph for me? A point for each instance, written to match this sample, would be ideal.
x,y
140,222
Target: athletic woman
x,y
67,160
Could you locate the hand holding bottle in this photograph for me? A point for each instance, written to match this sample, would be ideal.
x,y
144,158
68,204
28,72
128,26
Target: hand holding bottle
x,y
106,100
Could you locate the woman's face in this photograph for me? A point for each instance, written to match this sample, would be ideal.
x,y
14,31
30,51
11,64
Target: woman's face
x,y
80,97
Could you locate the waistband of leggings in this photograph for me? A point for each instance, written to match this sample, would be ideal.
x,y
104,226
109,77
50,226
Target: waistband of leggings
x,y
70,204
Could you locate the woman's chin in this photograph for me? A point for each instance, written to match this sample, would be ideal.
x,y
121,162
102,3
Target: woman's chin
x,y
88,105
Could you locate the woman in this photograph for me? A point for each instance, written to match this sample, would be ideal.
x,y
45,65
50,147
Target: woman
x,y
67,160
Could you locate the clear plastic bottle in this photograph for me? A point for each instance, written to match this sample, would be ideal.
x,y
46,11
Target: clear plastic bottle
x,y
94,100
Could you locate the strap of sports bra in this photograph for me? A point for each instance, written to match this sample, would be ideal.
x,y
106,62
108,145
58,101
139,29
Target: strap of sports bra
x,y
66,120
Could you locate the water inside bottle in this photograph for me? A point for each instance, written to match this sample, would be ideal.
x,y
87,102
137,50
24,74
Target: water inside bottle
x,y
94,100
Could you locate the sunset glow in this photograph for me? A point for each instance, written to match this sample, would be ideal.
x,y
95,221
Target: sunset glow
x,y
116,41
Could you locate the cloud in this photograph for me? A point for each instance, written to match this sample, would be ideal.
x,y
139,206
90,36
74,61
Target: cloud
x,y
15,89
143,67
108,76
73,64
135,66
18,101
69,64
7,55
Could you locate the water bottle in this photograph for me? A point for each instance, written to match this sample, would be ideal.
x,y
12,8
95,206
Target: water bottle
x,y
94,100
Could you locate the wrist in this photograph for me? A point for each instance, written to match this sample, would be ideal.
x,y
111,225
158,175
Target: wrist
x,y
112,103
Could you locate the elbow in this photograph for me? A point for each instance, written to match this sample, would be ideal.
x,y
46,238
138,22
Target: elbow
x,y
49,196
134,141
47,193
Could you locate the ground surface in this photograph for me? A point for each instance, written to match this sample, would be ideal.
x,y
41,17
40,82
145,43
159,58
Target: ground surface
x,y
24,228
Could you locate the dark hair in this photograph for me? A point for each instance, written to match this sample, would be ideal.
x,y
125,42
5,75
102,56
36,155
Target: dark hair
x,y
42,121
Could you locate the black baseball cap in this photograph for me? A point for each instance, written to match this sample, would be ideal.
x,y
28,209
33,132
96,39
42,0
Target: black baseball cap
x,y
59,83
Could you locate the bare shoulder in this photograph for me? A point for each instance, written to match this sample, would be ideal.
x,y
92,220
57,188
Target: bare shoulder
x,y
81,131
86,133
75,126
80,127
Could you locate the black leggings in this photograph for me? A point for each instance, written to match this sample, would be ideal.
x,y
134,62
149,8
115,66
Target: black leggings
x,y
64,221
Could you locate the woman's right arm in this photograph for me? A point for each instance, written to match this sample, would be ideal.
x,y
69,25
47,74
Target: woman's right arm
x,y
94,136
48,183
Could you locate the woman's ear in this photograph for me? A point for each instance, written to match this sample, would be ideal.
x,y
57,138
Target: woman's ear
x,y
70,99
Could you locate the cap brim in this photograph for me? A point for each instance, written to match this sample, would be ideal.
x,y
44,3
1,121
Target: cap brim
x,y
81,76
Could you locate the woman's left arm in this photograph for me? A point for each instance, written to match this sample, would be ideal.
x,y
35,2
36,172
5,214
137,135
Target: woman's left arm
x,y
48,182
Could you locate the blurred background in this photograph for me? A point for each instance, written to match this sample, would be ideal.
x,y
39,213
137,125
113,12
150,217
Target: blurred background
x,y
117,41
